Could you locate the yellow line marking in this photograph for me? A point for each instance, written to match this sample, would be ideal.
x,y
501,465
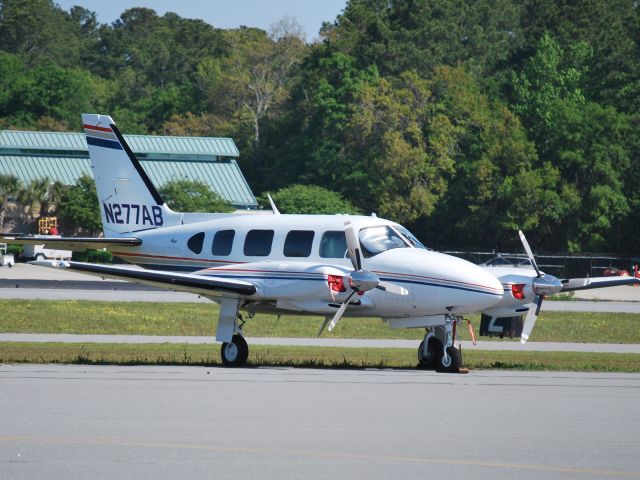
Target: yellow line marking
x,y
316,454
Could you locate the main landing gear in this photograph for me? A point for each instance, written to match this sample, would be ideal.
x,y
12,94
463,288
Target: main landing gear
x,y
432,354
236,352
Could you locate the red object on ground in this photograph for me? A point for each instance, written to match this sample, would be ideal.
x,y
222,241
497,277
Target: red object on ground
x,y
615,272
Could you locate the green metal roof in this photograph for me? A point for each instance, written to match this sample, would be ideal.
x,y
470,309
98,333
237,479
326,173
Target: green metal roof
x,y
64,157
221,147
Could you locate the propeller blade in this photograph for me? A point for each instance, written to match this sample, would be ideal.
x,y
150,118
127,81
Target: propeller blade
x,y
530,321
353,246
324,324
336,318
527,249
392,288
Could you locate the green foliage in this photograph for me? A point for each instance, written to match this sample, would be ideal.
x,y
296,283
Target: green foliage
x,y
192,196
467,120
548,77
93,256
15,250
79,206
10,189
401,145
309,199
421,34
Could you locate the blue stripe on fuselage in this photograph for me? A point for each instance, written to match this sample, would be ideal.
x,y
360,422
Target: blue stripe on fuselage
x,y
101,142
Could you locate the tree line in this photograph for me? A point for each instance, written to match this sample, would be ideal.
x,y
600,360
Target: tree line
x,y
463,120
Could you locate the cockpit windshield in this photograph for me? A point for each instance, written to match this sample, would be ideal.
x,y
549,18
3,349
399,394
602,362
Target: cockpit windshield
x,y
375,240
410,236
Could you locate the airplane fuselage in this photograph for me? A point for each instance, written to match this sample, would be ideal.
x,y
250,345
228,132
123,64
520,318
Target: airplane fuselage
x,y
292,258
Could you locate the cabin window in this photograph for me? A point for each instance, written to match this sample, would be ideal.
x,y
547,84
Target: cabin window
x,y
298,243
333,244
195,242
222,242
258,243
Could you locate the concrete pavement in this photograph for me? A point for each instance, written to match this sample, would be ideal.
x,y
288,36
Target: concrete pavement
x,y
138,423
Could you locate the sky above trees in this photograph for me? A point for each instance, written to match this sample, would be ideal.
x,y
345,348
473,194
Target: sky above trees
x,y
310,14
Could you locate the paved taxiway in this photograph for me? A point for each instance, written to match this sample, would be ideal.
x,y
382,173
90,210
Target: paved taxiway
x,y
61,422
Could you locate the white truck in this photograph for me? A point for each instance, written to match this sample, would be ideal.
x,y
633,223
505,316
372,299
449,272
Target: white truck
x,y
39,252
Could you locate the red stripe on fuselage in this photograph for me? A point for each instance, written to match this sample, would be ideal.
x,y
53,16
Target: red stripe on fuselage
x,y
95,127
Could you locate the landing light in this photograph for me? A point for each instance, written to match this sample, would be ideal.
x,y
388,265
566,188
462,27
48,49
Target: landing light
x,y
336,283
517,290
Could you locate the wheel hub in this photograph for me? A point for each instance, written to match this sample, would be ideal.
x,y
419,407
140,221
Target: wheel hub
x,y
231,351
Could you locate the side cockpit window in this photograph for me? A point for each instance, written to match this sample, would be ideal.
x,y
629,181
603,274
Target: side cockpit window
x,y
333,244
222,242
195,242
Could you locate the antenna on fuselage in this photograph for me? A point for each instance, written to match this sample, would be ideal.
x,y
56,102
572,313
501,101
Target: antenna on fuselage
x,y
273,205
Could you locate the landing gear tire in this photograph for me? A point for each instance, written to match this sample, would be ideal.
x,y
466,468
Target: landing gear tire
x,y
454,363
235,353
427,359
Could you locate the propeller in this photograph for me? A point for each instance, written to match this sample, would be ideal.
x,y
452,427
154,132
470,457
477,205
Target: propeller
x,y
360,280
541,285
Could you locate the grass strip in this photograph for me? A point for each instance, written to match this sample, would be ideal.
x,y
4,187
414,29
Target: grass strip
x,y
146,318
307,357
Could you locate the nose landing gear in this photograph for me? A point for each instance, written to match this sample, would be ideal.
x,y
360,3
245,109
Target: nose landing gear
x,y
432,354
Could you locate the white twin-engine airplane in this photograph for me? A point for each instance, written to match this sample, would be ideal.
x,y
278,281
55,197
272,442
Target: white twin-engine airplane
x,y
331,265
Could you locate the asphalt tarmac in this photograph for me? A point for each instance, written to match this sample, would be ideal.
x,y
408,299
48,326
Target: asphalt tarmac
x,y
62,422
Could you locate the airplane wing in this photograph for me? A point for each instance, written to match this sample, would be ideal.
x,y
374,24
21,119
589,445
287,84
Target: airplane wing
x,y
76,244
572,284
180,282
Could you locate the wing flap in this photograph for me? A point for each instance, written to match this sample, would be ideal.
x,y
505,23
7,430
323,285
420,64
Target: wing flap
x,y
182,282
76,244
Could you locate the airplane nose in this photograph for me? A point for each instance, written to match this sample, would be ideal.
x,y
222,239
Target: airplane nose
x,y
487,284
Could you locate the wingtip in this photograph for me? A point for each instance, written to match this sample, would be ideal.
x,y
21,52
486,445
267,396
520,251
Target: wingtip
x,y
50,263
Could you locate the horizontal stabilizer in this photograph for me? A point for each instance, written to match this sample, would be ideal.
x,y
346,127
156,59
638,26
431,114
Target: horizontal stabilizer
x,y
76,244
179,282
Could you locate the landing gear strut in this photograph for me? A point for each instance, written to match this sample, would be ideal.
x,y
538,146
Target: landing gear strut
x,y
432,354
234,350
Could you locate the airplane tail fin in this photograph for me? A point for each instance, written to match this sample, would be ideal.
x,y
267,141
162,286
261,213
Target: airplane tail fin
x,y
129,202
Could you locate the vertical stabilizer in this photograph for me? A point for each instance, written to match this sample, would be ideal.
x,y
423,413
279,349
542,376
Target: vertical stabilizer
x,y
129,202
